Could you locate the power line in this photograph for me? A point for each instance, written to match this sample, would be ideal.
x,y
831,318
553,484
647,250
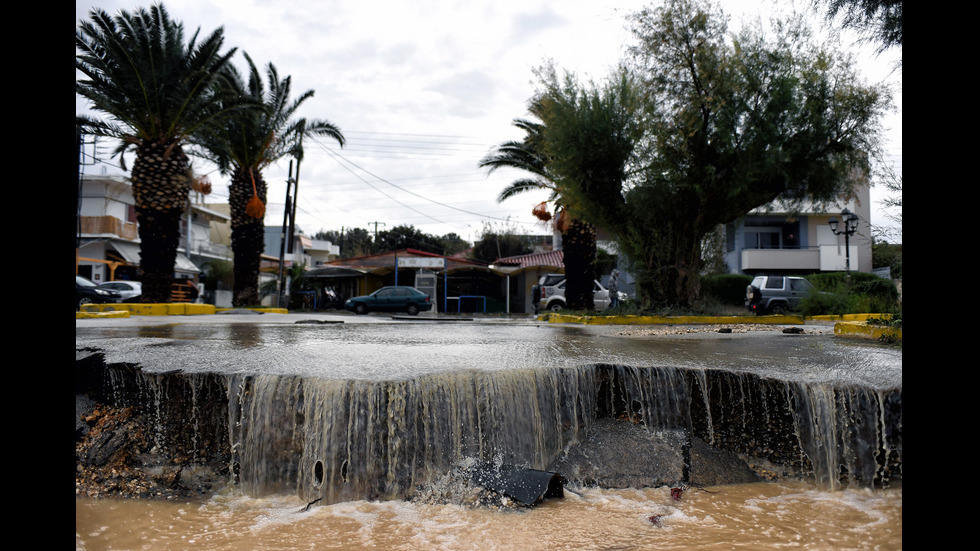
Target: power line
x,y
339,158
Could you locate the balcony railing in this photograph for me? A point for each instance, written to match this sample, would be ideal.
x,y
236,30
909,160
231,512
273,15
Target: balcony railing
x,y
101,225
823,258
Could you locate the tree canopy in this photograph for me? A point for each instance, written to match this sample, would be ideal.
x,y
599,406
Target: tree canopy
x,y
878,21
700,128
499,242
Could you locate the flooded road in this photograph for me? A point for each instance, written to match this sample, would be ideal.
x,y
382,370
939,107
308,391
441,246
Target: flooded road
x,y
784,515
377,348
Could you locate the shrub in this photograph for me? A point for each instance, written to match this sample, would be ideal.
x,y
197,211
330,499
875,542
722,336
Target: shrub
x,y
867,293
725,288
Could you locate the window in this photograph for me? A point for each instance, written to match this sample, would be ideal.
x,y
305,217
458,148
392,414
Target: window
x,y
774,282
800,285
761,238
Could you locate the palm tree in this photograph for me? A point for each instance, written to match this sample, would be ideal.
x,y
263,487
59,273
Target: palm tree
x,y
157,91
578,237
242,147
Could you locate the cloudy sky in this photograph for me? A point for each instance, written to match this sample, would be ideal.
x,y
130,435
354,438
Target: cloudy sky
x,y
422,90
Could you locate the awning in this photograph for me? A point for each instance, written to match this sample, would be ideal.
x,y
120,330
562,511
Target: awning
x,y
184,264
129,251
334,271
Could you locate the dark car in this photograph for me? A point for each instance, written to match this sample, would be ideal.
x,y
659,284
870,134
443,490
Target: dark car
x,y
391,299
87,292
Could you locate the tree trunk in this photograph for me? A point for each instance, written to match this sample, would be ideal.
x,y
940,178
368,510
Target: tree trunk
x,y
159,233
161,182
578,244
247,235
247,241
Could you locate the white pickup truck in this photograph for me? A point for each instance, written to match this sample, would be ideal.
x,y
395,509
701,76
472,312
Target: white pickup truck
x,y
549,294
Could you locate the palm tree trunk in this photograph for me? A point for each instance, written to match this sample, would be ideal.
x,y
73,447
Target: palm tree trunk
x,y
247,236
161,182
578,244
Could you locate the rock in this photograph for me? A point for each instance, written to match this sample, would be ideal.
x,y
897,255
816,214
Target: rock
x,y
621,454
712,467
84,406
104,448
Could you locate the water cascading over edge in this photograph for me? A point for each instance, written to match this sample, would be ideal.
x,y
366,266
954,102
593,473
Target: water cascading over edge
x,y
340,440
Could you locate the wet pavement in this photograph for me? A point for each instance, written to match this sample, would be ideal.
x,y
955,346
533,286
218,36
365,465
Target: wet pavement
x,y
385,347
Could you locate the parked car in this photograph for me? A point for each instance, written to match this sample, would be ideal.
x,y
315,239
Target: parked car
x,y
126,289
87,292
776,294
391,299
549,294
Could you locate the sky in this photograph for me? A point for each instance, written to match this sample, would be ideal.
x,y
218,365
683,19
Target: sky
x,y
422,90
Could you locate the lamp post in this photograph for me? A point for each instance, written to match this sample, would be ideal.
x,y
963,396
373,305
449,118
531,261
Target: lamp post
x,y
850,226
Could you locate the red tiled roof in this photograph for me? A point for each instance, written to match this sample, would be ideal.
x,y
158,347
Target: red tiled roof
x,y
549,258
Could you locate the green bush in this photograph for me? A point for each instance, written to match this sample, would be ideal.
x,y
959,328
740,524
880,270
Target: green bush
x,y
866,293
725,288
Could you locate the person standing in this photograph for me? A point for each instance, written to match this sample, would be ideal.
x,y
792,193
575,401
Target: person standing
x,y
614,288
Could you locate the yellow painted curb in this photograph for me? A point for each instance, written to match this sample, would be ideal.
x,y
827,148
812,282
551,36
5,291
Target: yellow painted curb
x,y
153,309
851,317
262,310
863,330
669,320
96,315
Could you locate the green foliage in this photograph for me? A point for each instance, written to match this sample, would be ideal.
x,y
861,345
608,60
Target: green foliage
x,y
589,137
726,288
866,293
604,262
877,21
258,137
492,246
139,70
453,243
827,303
218,274
353,242
408,237
887,254
703,128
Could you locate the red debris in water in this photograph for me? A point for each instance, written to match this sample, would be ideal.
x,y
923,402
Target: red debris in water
x,y
676,493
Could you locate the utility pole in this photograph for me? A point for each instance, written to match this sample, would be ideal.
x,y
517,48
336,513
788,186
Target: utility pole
x,y
376,230
292,212
282,242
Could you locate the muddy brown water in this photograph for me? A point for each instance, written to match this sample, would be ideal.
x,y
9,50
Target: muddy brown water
x,y
773,515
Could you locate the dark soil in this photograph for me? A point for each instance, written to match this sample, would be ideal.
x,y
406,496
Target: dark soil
x,y
115,457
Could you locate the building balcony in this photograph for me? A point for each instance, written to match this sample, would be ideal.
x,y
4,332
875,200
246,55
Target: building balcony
x,y
108,225
780,259
825,258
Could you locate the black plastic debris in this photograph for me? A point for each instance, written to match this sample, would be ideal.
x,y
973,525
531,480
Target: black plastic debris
x,y
526,486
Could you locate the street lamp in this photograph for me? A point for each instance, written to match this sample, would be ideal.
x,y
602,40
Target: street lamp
x,y
850,226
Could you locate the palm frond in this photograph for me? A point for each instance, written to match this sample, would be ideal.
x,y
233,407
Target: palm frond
x,y
138,70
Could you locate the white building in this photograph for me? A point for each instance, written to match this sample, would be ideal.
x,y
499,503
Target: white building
x,y
777,239
107,240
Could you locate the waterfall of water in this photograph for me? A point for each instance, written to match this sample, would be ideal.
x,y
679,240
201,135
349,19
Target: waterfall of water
x,y
341,440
